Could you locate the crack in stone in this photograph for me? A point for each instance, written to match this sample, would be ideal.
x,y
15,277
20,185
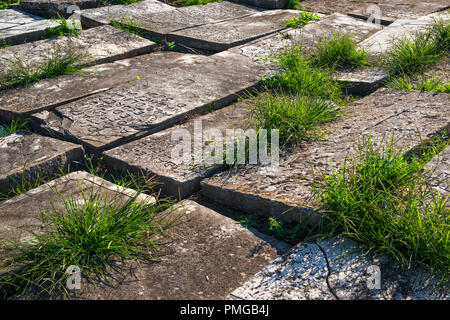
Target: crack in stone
x,y
329,273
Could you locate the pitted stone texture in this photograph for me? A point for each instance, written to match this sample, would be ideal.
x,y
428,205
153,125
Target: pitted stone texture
x,y
30,156
106,120
159,24
224,35
102,44
381,41
103,15
302,273
53,8
152,155
266,4
438,171
17,27
285,191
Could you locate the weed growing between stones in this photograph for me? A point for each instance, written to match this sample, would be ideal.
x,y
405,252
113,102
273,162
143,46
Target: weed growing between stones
x,y
381,199
6,4
65,28
423,83
60,61
303,18
125,2
95,231
185,3
13,127
127,25
338,49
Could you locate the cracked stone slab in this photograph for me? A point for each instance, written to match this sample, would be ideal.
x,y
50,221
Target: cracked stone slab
x,y
17,27
438,172
224,35
208,255
100,45
29,156
152,155
381,41
108,119
51,8
160,24
359,81
285,191
303,272
103,15
266,4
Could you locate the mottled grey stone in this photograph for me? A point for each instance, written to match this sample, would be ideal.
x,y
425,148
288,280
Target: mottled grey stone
x,y
303,272
224,35
266,4
17,27
108,119
28,156
381,41
438,173
51,8
285,191
152,155
103,15
100,45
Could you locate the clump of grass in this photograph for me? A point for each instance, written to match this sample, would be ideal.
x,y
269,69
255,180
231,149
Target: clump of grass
x,y
125,2
440,31
185,3
296,117
13,127
303,18
403,82
6,4
96,232
60,61
380,199
339,49
65,28
292,4
127,25
21,186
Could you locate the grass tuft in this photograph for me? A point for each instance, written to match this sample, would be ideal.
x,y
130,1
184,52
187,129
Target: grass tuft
x,y
65,28
13,127
403,82
303,19
127,25
185,3
6,4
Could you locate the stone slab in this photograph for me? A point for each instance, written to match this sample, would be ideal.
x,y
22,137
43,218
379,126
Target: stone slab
x,y
103,15
381,41
102,44
17,27
208,255
266,4
438,173
285,191
303,273
26,155
160,24
51,8
224,35
152,155
114,117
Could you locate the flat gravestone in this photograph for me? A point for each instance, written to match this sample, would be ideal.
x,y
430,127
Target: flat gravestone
x,y
103,15
109,119
28,156
17,27
207,255
159,24
53,8
152,155
266,4
100,45
285,191
224,35
381,41
360,81
336,268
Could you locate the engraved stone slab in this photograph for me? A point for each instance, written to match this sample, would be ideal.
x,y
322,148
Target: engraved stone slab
x,y
207,256
108,119
152,155
161,23
303,272
28,156
103,15
100,45
285,191
51,8
224,35
18,27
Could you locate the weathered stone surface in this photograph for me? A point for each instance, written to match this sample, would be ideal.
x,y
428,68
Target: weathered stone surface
x,y
152,155
266,4
438,172
26,155
303,272
106,120
224,35
285,191
159,24
103,15
381,41
101,44
51,8
18,27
